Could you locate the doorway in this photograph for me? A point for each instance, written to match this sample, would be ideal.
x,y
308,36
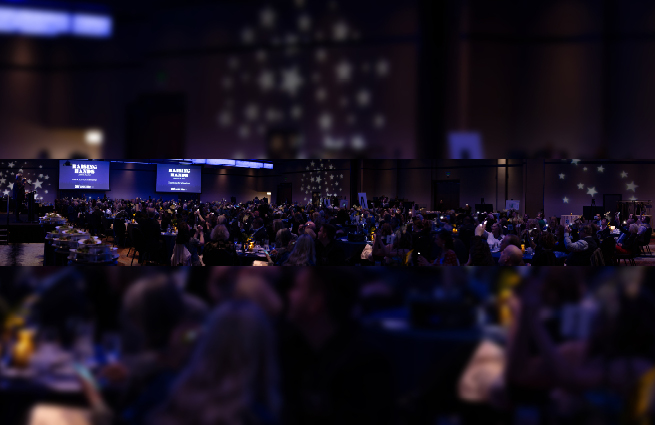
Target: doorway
x,y
284,193
445,195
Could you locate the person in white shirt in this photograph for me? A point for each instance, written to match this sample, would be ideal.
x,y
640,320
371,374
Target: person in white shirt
x,y
495,237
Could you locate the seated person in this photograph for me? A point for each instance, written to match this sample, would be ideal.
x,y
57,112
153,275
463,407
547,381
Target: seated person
x,y
604,230
219,251
328,252
511,256
629,243
582,250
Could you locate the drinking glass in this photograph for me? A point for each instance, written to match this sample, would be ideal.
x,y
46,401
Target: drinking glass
x,y
111,346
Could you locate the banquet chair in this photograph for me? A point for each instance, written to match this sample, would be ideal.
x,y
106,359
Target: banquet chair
x,y
644,242
140,246
608,248
107,231
597,258
119,233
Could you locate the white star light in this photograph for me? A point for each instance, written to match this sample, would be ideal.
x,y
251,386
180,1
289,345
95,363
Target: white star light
x,y
46,177
40,176
584,169
252,112
632,198
566,200
296,112
379,121
601,169
11,165
312,163
561,176
267,18
291,81
325,121
37,184
344,71
46,191
340,31
244,132
580,186
591,191
624,175
29,181
632,186
273,115
40,166
575,161
304,23
3,181
382,68
358,143
225,119
6,192
10,186
266,80
363,98
247,36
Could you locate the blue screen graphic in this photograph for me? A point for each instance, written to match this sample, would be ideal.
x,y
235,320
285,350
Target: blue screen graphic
x,y
89,175
178,178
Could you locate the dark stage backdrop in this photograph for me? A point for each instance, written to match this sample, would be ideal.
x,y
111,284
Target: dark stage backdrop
x,y
41,175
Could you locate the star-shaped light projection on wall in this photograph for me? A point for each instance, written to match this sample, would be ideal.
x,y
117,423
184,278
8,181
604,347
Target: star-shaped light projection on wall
x,y
321,176
332,91
590,179
32,171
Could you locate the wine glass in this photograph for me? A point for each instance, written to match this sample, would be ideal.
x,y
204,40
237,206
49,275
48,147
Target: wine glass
x,y
111,346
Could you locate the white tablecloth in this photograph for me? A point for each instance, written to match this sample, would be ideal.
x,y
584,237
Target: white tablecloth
x,y
571,219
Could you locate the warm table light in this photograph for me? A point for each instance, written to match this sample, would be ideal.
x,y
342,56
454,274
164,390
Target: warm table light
x,y
24,349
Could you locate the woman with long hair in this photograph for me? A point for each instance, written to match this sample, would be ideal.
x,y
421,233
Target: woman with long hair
x,y
303,253
232,378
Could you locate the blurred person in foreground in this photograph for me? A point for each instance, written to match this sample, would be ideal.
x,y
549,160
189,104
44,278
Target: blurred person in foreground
x,y
330,374
232,377
160,325
607,377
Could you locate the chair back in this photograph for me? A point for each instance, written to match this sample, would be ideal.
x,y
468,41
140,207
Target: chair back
x,y
597,258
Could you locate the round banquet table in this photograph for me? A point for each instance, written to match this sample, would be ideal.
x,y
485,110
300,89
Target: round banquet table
x,y
351,249
248,258
561,256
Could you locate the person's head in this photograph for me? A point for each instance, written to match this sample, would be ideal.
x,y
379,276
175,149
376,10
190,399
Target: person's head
x,y
510,240
445,240
603,222
282,238
303,252
183,234
585,231
19,176
319,294
152,308
495,230
511,256
257,223
310,232
234,362
634,228
386,229
480,254
548,241
326,233
278,225
220,233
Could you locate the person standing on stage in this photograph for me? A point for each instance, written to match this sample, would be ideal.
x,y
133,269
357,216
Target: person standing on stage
x,y
19,195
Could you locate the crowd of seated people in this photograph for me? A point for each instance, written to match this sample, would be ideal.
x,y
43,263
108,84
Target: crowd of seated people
x,y
399,236
256,346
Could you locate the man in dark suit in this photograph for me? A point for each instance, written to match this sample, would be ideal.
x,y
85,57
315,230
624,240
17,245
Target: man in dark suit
x,y
259,232
328,253
19,195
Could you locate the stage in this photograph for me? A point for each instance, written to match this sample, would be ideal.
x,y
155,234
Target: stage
x,y
24,232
